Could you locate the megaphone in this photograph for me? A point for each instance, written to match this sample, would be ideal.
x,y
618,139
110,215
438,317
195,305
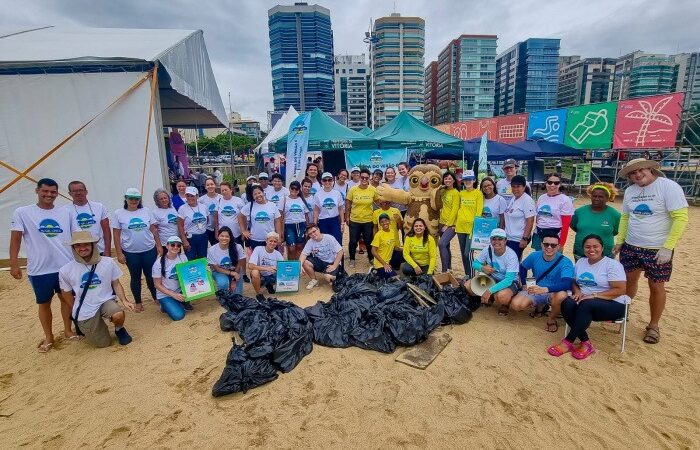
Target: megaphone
x,y
480,283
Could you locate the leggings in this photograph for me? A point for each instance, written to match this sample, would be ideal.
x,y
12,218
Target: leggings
x,y
444,245
173,308
331,226
222,281
198,246
366,230
137,263
580,315
465,246
211,238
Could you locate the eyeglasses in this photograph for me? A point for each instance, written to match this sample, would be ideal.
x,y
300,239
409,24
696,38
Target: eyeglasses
x,y
549,245
327,179
555,183
175,244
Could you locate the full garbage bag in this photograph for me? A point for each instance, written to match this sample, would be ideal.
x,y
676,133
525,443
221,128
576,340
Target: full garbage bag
x,y
243,372
456,304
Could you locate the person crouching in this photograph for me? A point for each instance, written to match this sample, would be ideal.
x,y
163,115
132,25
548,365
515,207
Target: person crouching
x,y
90,283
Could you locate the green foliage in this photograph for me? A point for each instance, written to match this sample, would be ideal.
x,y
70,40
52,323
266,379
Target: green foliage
x,y
223,143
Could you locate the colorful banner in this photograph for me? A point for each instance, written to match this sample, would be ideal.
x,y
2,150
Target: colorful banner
x,y
473,129
512,128
649,122
375,159
548,125
590,126
179,152
583,174
481,233
445,128
288,276
297,146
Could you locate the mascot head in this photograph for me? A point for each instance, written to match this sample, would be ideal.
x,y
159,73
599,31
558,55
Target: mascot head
x,y
424,180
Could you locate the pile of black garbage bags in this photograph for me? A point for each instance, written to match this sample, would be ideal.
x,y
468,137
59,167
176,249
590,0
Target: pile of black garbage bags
x,y
365,312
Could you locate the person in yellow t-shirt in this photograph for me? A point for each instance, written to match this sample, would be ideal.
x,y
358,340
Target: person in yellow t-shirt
x,y
448,218
471,204
419,251
385,249
358,214
395,219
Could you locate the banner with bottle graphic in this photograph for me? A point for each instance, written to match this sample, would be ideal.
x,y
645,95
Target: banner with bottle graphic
x,y
590,126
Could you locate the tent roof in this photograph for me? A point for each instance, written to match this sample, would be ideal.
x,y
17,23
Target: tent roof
x,y
405,130
544,148
189,96
366,131
280,129
327,134
495,151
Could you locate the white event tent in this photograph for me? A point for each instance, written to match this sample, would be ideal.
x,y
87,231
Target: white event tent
x,y
280,129
84,104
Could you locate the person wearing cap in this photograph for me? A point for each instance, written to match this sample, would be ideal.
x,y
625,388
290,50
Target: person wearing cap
x,y
295,212
520,216
88,215
227,261
164,217
263,265
45,229
598,218
192,225
135,236
329,208
169,293
419,250
91,284
322,253
448,218
264,180
503,186
377,176
258,218
276,192
654,216
471,204
554,211
499,262
251,180
312,173
210,199
386,247
354,178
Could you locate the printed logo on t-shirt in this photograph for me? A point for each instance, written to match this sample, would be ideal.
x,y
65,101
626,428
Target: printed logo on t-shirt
x,y
545,211
225,262
262,217
212,208
85,221
198,217
173,274
50,227
172,219
328,203
486,212
313,190
275,199
642,210
495,265
295,208
136,224
586,279
228,211
93,283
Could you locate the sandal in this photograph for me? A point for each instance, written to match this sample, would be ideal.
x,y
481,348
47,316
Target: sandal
x,y
555,350
75,337
552,326
138,307
503,310
583,351
652,336
539,311
44,346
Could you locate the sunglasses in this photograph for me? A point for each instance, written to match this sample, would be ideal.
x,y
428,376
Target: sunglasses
x,y
364,178
327,179
549,245
555,183
498,239
175,244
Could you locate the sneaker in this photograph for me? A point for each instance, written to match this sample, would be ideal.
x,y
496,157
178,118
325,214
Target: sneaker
x,y
270,288
312,284
188,306
260,297
123,336
246,279
352,263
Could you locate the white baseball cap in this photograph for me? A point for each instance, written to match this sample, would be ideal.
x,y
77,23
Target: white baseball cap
x,y
191,190
498,232
252,177
326,175
355,169
263,175
173,239
132,192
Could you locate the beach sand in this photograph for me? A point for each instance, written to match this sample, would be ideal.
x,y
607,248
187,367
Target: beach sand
x,y
494,386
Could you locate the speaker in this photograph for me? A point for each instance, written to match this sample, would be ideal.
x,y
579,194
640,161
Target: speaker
x,y
480,283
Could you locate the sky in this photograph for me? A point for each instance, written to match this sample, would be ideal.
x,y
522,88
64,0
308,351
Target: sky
x,y
237,37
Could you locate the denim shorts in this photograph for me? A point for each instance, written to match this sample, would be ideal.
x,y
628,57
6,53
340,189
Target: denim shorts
x,y
537,299
45,286
295,233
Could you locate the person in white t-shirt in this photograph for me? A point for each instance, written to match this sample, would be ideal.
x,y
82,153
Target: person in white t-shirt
x,y
263,265
276,191
354,179
503,186
322,253
164,216
598,293
164,273
295,214
554,212
91,283
494,205
192,218
210,199
45,229
227,261
227,211
258,218
520,217
90,216
329,209
654,216
312,173
341,183
218,176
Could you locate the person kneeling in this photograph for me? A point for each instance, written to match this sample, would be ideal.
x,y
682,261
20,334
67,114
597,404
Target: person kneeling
x,y
168,291
263,265
499,262
95,281
227,261
385,248
553,274
419,251
322,253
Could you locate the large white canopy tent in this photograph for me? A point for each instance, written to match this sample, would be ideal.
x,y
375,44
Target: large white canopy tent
x,y
280,129
83,104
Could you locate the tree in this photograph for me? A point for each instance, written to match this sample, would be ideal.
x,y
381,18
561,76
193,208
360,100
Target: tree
x,y
223,144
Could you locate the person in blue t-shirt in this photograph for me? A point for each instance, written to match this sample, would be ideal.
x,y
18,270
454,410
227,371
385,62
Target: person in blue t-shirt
x,y
552,275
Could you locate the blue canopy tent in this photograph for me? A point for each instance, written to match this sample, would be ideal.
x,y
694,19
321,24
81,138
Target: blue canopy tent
x,y
496,151
543,149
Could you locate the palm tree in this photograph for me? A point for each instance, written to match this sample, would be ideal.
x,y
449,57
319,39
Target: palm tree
x,y
650,114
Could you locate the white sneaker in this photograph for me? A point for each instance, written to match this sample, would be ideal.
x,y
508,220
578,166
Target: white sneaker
x,y
312,284
352,263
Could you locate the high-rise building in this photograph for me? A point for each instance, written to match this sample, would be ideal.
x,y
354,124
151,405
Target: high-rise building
x,y
526,77
398,48
430,94
689,78
351,80
466,71
584,81
638,74
301,55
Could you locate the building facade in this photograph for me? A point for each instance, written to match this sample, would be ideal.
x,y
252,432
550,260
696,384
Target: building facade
x,y
301,55
351,93
526,77
584,81
397,59
689,78
430,94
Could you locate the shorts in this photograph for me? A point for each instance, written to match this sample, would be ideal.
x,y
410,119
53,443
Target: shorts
x,y
634,258
268,279
537,299
514,287
95,329
321,266
251,244
45,286
295,233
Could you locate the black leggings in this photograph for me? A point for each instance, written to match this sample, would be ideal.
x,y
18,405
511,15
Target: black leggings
x,y
580,315
137,263
366,230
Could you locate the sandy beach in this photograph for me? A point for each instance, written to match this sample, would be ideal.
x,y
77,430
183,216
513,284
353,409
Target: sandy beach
x,y
494,386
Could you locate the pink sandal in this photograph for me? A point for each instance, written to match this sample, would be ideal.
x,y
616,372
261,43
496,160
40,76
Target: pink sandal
x,y
554,349
583,351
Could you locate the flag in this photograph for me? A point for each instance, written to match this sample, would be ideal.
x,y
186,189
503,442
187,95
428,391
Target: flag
x,y
483,165
297,146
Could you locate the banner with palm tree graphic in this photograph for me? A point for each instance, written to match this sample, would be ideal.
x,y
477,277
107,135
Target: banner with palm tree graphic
x,y
648,122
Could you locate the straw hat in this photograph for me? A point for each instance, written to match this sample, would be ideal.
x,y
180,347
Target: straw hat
x,y
641,163
82,237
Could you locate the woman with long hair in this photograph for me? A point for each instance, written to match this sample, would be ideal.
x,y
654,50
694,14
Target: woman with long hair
x,y
419,250
295,210
313,174
448,218
494,204
169,293
258,218
210,200
471,205
227,262
164,216
329,209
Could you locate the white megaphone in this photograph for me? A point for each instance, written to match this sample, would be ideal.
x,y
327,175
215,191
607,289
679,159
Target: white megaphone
x,y
480,283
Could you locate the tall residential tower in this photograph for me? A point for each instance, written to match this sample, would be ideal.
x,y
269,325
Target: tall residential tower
x,y
351,85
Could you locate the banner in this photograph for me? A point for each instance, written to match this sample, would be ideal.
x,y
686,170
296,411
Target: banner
x,y
375,159
195,280
297,146
483,159
649,122
548,125
445,128
179,152
590,126
512,128
288,276
473,129
583,174
481,233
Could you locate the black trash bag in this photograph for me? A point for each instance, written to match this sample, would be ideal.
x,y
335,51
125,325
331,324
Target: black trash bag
x,y
243,372
297,340
425,282
258,332
371,334
456,304
333,322
406,324
226,321
391,289
234,302
341,282
434,317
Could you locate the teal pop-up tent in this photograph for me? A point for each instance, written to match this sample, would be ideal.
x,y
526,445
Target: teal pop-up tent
x,y
405,131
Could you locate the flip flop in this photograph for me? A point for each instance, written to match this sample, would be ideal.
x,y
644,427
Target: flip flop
x,y
551,325
44,346
554,349
583,351
503,310
75,337
652,336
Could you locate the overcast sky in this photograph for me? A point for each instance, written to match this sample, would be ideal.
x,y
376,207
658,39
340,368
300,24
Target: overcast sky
x,y
237,39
